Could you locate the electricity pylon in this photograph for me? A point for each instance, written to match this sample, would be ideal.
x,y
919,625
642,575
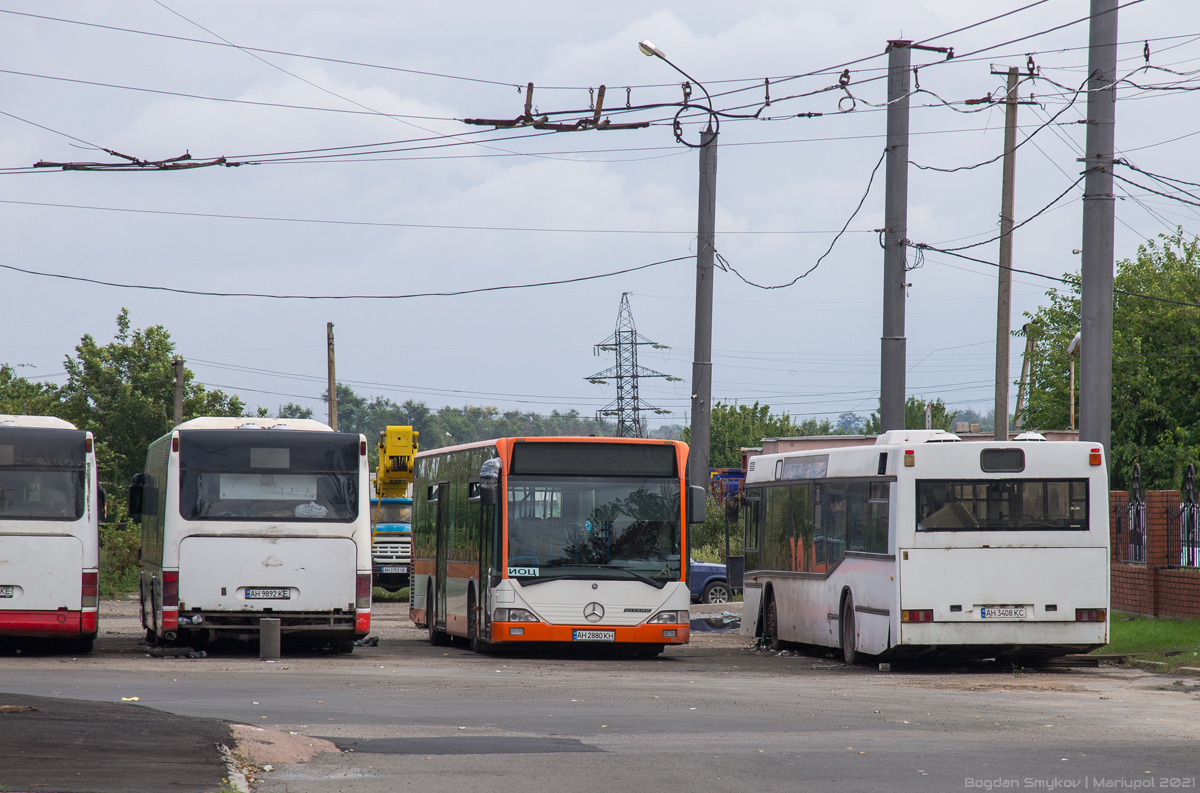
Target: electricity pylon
x,y
624,341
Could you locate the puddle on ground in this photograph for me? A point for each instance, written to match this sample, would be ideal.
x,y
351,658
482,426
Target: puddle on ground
x,y
725,622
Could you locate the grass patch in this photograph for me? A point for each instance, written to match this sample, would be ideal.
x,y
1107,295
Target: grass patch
x,y
381,595
1150,636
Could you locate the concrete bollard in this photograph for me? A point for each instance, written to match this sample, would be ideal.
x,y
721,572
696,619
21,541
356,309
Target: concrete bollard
x,y
269,641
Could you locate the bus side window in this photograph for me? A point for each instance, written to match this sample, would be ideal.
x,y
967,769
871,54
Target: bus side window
x,y
753,522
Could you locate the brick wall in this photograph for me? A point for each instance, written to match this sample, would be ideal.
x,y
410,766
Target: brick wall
x,y
1158,587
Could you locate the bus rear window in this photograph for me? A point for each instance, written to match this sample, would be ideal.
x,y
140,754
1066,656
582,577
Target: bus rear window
x,y
1002,505
42,474
249,475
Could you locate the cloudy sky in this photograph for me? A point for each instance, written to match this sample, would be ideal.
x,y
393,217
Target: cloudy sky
x,y
404,198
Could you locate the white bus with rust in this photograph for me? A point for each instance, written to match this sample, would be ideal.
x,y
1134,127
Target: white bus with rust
x,y
245,518
553,540
926,545
50,509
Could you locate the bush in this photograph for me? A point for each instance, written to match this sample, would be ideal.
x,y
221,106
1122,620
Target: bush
x,y
709,537
119,549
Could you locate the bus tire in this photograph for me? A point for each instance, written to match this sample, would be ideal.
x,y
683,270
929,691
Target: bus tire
x,y
715,592
771,623
436,637
847,629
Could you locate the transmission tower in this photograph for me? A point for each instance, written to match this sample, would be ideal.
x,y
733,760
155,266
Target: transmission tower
x,y
624,341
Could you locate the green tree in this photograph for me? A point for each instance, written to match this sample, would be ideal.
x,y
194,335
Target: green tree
x,y
20,397
733,427
914,416
124,392
1156,362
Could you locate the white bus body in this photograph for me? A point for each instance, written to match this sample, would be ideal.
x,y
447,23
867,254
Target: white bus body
x,y
249,518
50,509
924,544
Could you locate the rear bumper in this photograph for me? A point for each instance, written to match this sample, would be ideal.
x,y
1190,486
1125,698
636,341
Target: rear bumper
x,y
349,623
635,634
1075,635
49,624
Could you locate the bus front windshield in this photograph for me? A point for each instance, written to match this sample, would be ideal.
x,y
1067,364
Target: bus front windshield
x,y
42,474
391,512
575,527
268,475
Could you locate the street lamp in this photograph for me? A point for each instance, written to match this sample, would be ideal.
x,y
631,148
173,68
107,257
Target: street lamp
x,y
698,460
1072,352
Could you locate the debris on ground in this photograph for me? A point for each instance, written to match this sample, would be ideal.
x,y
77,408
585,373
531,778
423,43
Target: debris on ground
x,y
368,641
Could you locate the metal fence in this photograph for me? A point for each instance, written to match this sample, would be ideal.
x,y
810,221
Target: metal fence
x,y
1187,541
1130,545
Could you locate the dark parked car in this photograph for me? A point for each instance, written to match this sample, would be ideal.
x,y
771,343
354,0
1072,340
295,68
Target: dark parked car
x,y
710,582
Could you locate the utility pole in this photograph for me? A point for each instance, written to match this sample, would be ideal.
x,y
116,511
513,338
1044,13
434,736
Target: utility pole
x,y
178,364
1029,348
702,350
332,379
895,240
1004,288
1096,299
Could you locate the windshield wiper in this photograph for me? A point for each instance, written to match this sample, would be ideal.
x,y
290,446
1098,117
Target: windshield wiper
x,y
651,581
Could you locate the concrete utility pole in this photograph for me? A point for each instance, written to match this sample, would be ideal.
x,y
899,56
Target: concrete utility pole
x,y
1004,289
1096,299
332,379
895,240
178,364
702,350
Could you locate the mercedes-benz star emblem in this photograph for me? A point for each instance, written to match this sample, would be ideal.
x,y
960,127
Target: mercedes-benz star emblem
x,y
593,612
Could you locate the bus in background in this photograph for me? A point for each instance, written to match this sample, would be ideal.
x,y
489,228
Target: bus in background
x,y
577,540
391,542
250,518
391,508
927,545
50,509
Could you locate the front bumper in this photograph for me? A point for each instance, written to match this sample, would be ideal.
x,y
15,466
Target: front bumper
x,y
634,634
356,623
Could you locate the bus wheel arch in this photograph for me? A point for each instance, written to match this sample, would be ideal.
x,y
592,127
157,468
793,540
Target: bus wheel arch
x,y
436,637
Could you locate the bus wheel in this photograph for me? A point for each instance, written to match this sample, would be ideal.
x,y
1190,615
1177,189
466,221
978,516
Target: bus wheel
x,y
436,637
771,624
849,637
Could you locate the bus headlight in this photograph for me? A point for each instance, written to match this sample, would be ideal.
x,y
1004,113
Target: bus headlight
x,y
513,615
669,618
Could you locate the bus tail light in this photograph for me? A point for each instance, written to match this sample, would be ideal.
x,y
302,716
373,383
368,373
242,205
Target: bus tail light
x,y
87,445
362,591
1090,615
91,590
513,615
1094,457
170,589
175,444
916,615
362,448
910,458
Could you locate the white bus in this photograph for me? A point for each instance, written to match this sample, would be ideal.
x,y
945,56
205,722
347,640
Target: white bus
x,y
245,518
552,540
925,544
50,509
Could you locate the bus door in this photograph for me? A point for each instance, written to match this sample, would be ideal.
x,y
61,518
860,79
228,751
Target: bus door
x,y
489,572
441,530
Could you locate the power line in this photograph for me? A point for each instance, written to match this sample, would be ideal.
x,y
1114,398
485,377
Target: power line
x,y
726,265
341,297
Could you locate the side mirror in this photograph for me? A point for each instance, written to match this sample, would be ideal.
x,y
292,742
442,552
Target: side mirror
x,y
697,504
101,504
489,482
487,494
137,490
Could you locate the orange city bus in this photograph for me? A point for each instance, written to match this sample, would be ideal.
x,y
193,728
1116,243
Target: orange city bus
x,y
578,540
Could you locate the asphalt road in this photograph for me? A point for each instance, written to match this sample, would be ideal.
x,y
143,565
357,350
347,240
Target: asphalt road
x,y
714,715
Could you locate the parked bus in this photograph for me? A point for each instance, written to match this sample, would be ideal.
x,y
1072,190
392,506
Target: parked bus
x,y
391,542
553,540
50,509
250,518
925,544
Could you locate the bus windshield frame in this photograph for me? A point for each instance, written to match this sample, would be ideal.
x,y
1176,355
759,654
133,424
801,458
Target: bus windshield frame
x,y
43,474
594,527
268,476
